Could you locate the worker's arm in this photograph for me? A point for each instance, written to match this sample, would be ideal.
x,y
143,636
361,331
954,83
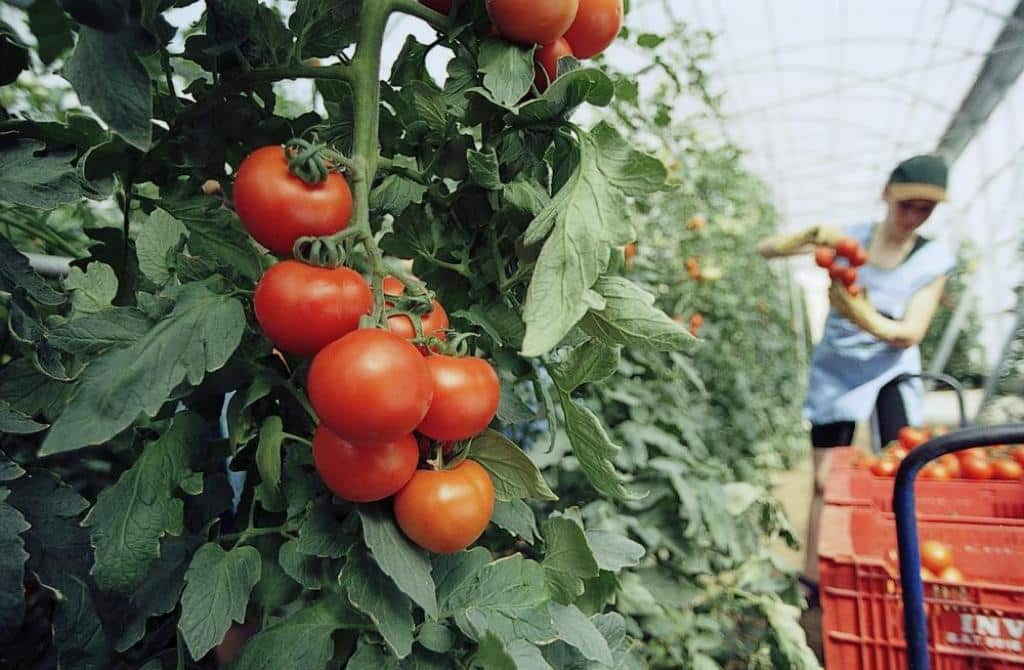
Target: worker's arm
x,y
792,244
906,332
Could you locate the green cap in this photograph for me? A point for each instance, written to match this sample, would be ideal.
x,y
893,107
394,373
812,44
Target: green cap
x,y
919,178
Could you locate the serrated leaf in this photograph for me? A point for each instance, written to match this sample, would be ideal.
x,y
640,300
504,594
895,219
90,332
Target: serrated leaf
x,y
395,193
569,91
312,572
613,551
35,179
268,456
216,235
12,568
525,195
17,273
320,533
51,28
325,27
567,559
580,632
436,637
398,558
594,450
92,290
630,318
591,362
217,587
14,422
500,322
511,408
453,571
95,333
131,516
375,594
483,169
302,641
507,71
513,473
109,77
160,238
517,518
197,337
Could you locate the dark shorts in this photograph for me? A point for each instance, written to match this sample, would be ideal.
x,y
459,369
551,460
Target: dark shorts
x,y
892,415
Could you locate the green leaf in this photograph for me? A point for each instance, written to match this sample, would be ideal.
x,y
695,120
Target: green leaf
x,y
268,456
649,40
216,235
613,551
217,587
398,558
577,630
17,273
584,220
197,337
311,572
14,422
325,27
131,516
12,568
507,69
436,637
158,242
567,559
513,473
630,318
525,195
498,320
107,15
320,533
375,594
95,333
36,179
511,408
497,654
93,290
302,641
591,362
159,593
517,518
13,55
507,597
594,450
395,193
108,77
371,657
9,469
784,620
52,29
565,94
453,571
228,23
483,169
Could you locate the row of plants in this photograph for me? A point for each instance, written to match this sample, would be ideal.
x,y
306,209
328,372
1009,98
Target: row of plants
x,y
161,500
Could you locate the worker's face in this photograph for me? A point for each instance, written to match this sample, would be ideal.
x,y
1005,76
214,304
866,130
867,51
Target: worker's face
x,y
908,215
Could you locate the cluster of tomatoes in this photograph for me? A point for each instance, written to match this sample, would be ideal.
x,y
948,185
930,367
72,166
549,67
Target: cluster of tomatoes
x,y
379,394
842,262
937,562
1001,463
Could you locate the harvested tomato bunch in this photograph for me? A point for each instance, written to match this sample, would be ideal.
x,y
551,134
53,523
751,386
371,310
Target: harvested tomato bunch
x,y
911,437
937,562
842,262
560,28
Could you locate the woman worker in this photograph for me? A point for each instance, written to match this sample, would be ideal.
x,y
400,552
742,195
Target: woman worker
x,y
871,339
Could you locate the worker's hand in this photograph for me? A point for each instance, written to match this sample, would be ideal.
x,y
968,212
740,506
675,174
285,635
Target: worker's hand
x,y
806,240
858,310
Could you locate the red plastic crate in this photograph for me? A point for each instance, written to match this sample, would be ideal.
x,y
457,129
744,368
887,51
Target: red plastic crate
x,y
966,499
976,625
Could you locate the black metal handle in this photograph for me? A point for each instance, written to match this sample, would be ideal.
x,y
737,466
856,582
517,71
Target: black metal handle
x,y
915,623
951,382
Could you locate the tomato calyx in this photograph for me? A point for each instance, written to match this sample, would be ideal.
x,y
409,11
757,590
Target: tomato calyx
x,y
312,162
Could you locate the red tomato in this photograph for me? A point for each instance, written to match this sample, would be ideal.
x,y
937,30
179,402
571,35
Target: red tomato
x,y
867,462
885,467
847,247
303,308
466,396
952,464
364,472
277,208
937,471
530,21
952,574
1018,455
629,253
936,556
370,386
976,468
848,276
835,271
547,58
824,257
911,438
1007,469
898,453
854,290
696,321
445,511
859,258
596,26
972,452
434,323
927,575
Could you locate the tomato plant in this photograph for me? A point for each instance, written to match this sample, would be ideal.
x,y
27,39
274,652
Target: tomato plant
x,y
548,56
595,27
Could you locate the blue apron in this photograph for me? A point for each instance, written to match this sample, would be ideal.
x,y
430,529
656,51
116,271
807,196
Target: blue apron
x,y
849,365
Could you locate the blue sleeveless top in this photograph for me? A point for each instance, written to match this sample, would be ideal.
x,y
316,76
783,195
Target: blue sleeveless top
x,y
849,365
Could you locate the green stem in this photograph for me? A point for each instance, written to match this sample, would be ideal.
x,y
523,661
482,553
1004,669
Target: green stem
x,y
127,222
301,398
296,438
44,234
180,665
414,8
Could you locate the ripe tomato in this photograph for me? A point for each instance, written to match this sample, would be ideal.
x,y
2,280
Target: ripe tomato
x,y
693,268
854,290
936,556
277,208
911,437
927,575
630,253
532,22
885,467
835,271
547,58
859,258
937,471
303,308
364,472
696,321
847,247
824,257
466,396
370,386
1007,469
434,323
445,511
952,464
867,462
973,452
848,276
952,574
976,468
596,26
898,453
1018,455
